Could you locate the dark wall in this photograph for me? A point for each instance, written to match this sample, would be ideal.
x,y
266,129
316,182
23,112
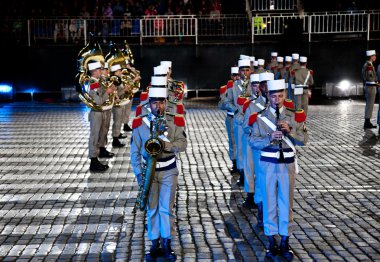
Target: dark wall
x,y
202,67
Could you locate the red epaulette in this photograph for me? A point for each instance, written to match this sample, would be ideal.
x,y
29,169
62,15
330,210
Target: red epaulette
x,y
252,119
300,116
136,122
241,100
293,72
272,68
223,89
230,84
138,110
287,68
246,105
143,96
288,103
311,72
182,85
370,68
279,69
94,85
179,120
180,109
180,96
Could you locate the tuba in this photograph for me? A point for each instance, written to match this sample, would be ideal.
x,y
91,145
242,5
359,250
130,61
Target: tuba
x,y
92,51
153,147
115,56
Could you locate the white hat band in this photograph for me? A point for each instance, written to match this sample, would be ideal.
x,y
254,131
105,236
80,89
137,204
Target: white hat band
x,y
288,58
166,63
115,68
274,85
303,59
273,54
159,92
160,70
261,61
255,78
295,56
266,76
244,63
158,81
94,65
280,59
370,52
234,70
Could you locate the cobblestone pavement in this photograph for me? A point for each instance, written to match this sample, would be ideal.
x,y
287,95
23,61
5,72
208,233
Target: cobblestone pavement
x,y
53,208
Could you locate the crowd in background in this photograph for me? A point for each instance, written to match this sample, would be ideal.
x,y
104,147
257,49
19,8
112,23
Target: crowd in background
x,y
108,8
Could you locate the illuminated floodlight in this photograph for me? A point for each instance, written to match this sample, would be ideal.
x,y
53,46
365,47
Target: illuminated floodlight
x,y
6,88
344,85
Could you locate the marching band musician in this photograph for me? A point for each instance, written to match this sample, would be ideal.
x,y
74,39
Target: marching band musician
x,y
106,121
229,116
160,216
100,95
370,84
232,105
303,80
118,111
280,66
275,133
260,68
254,103
273,62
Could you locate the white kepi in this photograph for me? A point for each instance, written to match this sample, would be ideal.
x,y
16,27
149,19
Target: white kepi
x,y
158,87
276,85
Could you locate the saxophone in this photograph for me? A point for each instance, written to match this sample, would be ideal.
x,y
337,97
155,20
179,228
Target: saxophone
x,y
177,87
154,147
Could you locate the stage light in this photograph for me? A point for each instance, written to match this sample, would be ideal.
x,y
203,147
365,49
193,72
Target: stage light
x,y
344,85
6,88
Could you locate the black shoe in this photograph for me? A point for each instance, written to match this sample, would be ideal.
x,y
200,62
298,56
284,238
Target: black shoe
x,y
368,124
272,250
116,142
248,201
104,153
153,251
96,165
127,128
240,182
260,222
168,252
122,136
285,249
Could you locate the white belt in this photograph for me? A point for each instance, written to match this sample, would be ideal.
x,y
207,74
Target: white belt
x,y
230,113
297,86
371,83
163,164
277,154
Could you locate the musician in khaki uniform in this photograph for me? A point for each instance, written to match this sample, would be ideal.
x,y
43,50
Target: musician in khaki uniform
x,y
273,62
106,120
229,116
370,85
255,103
303,80
234,104
260,69
128,107
280,66
276,132
100,96
160,214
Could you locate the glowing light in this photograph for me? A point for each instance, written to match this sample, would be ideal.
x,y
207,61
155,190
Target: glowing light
x,y
344,85
6,88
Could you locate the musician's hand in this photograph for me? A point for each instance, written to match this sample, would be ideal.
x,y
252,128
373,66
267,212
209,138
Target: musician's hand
x,y
109,90
127,88
309,93
284,126
139,179
276,135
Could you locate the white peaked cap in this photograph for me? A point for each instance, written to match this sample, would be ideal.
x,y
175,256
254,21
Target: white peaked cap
x,y
280,59
244,63
288,58
266,76
158,81
274,85
261,61
303,59
370,52
159,92
255,63
254,78
94,65
106,65
168,64
242,57
273,54
252,58
234,70
295,56
115,68
160,70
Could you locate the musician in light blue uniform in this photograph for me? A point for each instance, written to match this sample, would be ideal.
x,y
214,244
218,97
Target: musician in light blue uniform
x,y
160,214
276,133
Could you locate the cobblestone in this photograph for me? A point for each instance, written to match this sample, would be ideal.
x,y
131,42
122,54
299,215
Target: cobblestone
x,y
52,208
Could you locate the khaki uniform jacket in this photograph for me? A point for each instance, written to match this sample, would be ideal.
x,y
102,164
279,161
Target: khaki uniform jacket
x,y
300,77
369,73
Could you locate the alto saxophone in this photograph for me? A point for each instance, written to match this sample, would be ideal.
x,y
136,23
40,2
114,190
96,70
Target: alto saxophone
x,y
154,147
